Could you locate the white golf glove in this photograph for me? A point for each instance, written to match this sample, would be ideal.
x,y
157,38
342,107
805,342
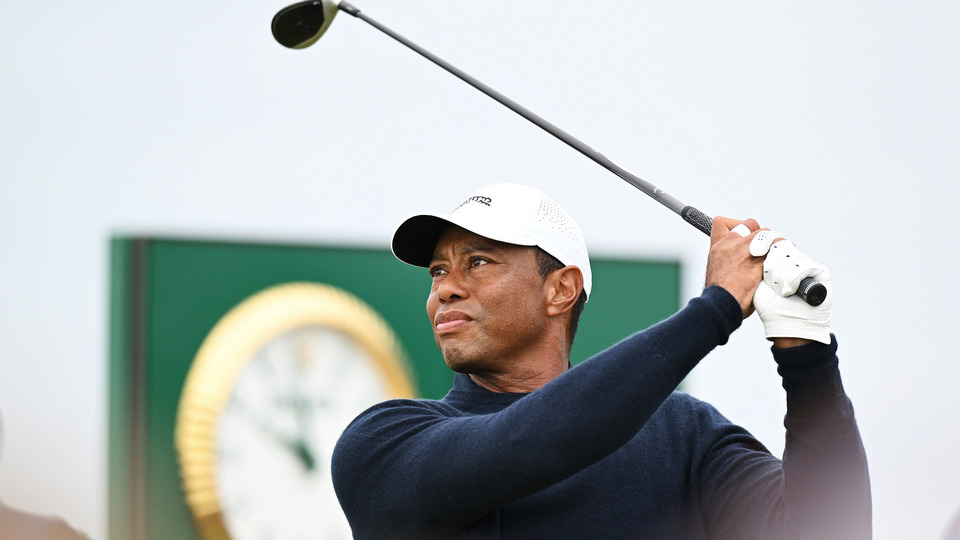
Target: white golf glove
x,y
782,313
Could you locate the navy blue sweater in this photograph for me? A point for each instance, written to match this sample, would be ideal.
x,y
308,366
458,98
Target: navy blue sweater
x,y
609,450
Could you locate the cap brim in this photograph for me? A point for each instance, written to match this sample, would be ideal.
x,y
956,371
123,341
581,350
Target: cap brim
x,y
416,238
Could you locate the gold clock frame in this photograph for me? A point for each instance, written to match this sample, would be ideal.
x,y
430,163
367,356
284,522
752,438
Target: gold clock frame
x,y
226,351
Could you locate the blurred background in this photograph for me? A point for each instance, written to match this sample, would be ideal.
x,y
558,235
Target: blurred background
x,y
835,123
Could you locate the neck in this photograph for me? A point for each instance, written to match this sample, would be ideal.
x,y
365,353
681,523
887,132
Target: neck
x,y
520,381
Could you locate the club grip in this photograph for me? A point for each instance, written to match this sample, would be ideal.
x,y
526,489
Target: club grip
x,y
697,218
812,291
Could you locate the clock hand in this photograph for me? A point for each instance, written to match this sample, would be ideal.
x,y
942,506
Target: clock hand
x,y
302,403
295,444
305,455
302,440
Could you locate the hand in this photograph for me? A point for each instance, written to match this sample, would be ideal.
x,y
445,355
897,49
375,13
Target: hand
x,y
730,264
784,315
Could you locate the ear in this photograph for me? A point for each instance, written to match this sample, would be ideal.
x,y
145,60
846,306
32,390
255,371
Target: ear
x,y
563,288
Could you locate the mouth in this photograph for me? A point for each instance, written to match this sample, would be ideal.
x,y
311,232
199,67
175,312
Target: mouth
x,y
449,321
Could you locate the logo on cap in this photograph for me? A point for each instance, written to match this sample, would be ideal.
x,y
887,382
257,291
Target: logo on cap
x,y
476,198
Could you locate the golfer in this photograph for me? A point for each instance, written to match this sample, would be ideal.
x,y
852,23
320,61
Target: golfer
x,y
526,446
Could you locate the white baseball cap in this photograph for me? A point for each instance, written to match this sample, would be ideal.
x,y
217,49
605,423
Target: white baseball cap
x,y
510,213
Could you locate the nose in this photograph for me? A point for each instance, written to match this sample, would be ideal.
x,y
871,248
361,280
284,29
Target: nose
x,y
451,287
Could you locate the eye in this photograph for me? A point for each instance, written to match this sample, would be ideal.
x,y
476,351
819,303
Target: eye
x,y
478,261
437,271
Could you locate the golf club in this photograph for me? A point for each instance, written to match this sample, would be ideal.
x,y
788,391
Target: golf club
x,y
300,25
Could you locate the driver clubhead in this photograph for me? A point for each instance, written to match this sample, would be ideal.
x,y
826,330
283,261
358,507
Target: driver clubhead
x,y
300,25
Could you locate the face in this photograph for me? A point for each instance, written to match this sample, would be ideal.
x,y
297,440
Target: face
x,y
486,303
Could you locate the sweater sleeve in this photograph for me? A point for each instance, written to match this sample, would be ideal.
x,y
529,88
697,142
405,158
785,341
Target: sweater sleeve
x,y
415,468
821,489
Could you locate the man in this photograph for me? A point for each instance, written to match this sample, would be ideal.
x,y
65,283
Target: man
x,y
524,446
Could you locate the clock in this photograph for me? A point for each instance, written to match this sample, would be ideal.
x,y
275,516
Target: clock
x,y
270,390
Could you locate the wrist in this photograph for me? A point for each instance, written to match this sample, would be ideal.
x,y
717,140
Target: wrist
x,y
788,342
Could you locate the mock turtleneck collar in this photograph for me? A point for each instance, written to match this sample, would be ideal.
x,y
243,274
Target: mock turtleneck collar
x,y
469,397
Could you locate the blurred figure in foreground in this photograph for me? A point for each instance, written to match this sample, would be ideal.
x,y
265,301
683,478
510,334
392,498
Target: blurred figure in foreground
x,y
17,524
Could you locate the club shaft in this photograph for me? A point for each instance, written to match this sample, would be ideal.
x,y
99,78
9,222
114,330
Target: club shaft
x,y
690,214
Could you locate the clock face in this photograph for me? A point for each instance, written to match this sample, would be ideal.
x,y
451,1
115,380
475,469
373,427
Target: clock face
x,y
277,433
272,387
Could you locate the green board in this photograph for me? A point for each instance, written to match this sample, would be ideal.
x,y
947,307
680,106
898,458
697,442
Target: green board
x,y
167,294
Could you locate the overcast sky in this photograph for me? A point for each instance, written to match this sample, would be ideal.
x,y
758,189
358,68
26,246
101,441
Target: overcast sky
x,y
835,122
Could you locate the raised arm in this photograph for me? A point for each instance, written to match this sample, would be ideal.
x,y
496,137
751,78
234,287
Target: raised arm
x,y
822,488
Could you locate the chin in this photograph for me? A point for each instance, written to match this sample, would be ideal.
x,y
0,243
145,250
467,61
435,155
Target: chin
x,y
457,365
463,363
